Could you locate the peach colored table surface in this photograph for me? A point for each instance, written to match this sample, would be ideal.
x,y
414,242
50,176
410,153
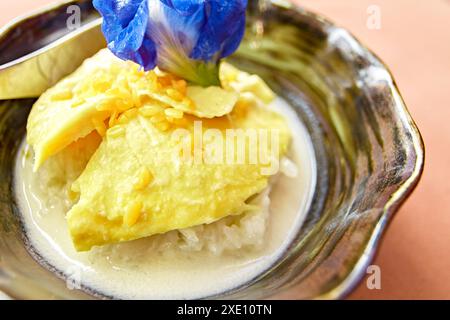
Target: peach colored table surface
x,y
414,40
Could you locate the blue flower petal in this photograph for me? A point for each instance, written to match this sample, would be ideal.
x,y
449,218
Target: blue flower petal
x,y
124,27
175,26
186,37
223,30
232,43
184,7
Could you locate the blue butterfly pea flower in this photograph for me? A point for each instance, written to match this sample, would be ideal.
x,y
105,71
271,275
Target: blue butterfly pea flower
x,y
185,37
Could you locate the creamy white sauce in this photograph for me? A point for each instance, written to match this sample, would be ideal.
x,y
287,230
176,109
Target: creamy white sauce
x,y
130,274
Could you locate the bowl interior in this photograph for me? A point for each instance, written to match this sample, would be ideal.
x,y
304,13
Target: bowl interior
x,y
369,158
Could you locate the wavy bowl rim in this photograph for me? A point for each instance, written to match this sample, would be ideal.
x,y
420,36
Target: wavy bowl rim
x,y
401,194
345,287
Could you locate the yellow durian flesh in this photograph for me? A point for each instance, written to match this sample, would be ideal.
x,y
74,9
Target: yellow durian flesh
x,y
127,191
178,194
104,87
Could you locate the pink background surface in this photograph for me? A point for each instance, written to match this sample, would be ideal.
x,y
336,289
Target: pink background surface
x,y
414,40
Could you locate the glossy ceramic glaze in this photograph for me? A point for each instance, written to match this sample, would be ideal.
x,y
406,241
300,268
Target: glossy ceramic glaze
x,y
370,157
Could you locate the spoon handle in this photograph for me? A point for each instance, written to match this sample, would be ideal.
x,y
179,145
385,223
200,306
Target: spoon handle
x,y
39,49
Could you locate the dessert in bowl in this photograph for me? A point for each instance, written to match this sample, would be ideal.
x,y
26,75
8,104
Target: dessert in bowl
x,y
105,200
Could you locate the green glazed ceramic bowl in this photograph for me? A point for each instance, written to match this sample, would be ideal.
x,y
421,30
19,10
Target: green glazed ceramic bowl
x,y
369,157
